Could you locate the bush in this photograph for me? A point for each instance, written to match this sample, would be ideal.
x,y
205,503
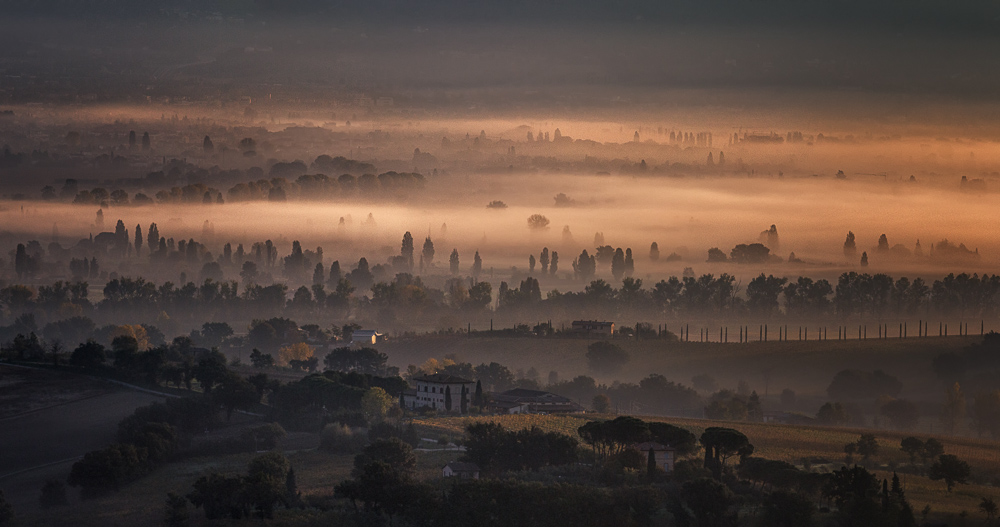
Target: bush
x,y
105,470
342,439
690,470
352,419
632,459
386,430
53,494
264,437
605,357
6,511
176,513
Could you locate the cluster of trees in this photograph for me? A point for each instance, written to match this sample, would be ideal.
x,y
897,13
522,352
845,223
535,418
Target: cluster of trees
x,y
146,439
270,481
316,399
605,257
382,485
390,294
753,253
727,405
496,450
323,187
614,437
975,367
282,180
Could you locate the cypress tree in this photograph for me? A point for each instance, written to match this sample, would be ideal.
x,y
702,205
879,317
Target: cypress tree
x,y
447,398
292,495
477,399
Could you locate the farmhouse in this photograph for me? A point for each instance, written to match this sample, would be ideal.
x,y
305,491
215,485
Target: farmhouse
x,y
787,418
432,390
663,455
458,469
594,327
366,337
521,401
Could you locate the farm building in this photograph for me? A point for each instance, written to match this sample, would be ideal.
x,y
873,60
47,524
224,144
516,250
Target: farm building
x,y
521,401
594,327
458,469
664,455
366,337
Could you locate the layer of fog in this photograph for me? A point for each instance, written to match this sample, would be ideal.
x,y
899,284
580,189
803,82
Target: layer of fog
x,y
683,215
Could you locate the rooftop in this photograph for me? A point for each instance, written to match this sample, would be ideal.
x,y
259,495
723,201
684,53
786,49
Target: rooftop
x,y
530,396
652,445
443,378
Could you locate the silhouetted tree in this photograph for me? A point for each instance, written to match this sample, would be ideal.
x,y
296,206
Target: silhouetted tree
x,y
850,247
428,252
951,469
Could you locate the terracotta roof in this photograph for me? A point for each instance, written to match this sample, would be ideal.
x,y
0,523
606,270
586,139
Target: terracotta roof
x,y
530,396
443,378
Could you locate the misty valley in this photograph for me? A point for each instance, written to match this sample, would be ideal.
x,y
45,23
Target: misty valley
x,y
496,265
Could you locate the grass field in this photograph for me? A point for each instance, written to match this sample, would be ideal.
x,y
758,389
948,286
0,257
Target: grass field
x,y
792,444
142,502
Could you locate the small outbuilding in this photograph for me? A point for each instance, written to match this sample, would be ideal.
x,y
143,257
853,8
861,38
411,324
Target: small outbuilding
x,y
461,470
366,337
594,327
662,454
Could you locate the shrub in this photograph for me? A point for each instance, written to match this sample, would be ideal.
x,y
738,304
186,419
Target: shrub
x,y
386,430
264,437
105,470
605,357
342,439
53,494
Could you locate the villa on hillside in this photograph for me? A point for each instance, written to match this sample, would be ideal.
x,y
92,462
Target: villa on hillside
x,y
432,390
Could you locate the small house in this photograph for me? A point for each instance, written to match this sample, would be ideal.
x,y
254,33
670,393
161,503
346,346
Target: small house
x,y
458,469
523,400
594,327
662,454
366,337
